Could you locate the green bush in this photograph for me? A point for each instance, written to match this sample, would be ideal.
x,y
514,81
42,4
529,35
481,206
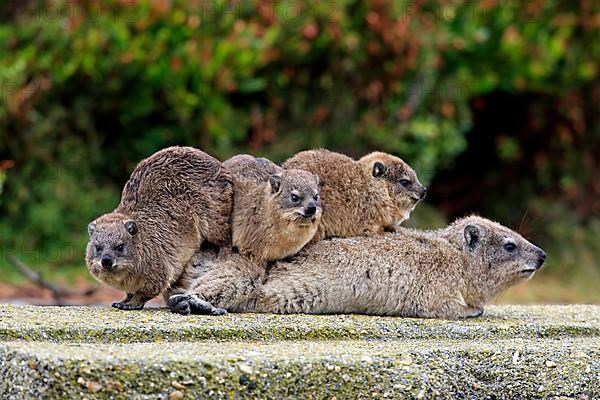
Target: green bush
x,y
90,88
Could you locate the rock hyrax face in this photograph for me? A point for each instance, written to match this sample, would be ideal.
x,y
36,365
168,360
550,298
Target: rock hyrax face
x,y
110,251
505,257
399,179
295,193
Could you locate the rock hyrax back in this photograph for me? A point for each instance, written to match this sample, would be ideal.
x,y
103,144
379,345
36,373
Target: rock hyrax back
x,y
371,195
174,200
450,273
275,211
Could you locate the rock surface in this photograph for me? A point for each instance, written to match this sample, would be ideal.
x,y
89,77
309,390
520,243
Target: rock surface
x,y
511,352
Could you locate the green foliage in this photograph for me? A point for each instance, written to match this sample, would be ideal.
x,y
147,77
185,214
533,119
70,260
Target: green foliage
x,y
89,92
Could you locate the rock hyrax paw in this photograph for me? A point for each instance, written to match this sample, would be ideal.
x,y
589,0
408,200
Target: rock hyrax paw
x,y
176,298
203,307
125,306
180,303
219,311
183,308
476,313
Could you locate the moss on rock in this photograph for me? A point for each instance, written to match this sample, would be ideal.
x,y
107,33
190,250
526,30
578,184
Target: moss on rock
x,y
511,352
104,324
520,368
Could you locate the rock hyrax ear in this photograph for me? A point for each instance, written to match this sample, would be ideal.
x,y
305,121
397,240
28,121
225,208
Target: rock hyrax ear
x,y
131,227
317,181
275,182
91,228
378,169
473,234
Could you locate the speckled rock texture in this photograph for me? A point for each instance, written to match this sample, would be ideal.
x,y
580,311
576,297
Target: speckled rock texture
x,y
512,352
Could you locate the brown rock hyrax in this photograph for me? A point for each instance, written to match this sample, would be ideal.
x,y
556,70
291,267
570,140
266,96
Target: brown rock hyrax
x,y
174,201
450,273
275,211
373,194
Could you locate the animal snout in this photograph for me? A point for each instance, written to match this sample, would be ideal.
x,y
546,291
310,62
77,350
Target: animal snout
x,y
423,193
107,261
541,259
310,210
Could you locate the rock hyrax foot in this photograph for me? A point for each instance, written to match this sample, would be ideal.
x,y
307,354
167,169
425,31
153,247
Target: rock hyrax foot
x,y
127,306
475,313
185,304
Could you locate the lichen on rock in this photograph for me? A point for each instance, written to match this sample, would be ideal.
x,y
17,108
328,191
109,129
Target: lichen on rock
x,y
511,352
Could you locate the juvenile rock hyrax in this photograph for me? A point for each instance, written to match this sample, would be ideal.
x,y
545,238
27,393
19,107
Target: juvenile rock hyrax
x,y
373,194
275,211
174,201
449,273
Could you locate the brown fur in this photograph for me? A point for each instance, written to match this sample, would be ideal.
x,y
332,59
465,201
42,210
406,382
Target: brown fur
x,y
266,224
174,201
354,200
450,273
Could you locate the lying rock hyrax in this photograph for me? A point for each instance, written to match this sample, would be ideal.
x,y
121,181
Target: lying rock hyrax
x,y
174,200
275,211
450,273
373,194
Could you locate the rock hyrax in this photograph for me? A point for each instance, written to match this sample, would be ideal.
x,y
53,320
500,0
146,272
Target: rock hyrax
x,y
450,273
174,201
373,194
275,211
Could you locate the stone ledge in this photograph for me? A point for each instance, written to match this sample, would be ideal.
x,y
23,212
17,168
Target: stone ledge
x,y
518,368
104,324
512,352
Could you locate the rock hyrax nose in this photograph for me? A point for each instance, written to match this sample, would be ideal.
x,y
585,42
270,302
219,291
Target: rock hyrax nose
x,y
310,210
107,261
541,259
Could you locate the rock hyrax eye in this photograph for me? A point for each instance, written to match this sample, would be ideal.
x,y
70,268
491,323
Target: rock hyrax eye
x,y
405,183
510,247
295,198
